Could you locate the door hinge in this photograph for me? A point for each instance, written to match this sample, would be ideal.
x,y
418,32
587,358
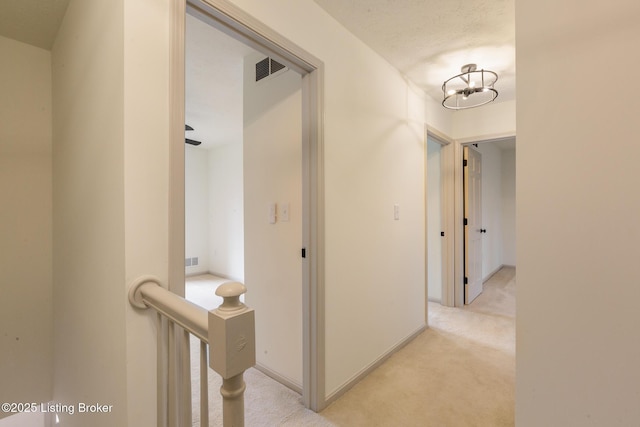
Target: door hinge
x,y
466,280
304,252
465,221
442,233
464,162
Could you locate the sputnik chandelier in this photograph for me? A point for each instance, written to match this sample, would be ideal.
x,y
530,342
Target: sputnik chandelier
x,y
471,88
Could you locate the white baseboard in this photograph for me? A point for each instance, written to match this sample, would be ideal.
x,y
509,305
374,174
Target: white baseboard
x,y
222,276
375,364
490,275
281,379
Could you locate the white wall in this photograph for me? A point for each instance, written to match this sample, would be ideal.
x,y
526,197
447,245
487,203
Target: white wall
x,y
374,153
577,211
110,168
196,199
434,220
491,120
273,174
88,214
508,164
25,224
226,211
439,117
146,184
492,247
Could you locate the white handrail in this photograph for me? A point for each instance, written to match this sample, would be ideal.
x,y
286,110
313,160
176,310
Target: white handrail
x,y
231,327
147,292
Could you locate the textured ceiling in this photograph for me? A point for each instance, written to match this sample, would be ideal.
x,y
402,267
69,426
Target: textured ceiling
x,y
429,40
35,22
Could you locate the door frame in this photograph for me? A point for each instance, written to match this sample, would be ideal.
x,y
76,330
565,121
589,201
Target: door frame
x,y
446,179
238,24
458,209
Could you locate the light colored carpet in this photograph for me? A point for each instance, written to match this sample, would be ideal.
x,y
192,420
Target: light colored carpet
x,y
201,290
458,372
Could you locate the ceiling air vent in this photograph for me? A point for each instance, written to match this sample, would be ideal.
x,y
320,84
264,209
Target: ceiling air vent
x,y
268,67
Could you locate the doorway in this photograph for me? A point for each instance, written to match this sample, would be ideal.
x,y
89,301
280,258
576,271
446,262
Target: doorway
x,y
309,250
435,224
243,186
497,211
440,217
214,205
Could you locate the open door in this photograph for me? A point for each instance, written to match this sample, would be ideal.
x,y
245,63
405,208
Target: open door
x,y
472,224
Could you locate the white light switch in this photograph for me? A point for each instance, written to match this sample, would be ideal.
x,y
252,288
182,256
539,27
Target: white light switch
x,y
272,213
396,212
284,212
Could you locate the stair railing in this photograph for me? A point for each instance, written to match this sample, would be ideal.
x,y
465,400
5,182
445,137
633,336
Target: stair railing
x,y
227,336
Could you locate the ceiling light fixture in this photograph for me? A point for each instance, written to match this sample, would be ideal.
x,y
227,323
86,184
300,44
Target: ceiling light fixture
x,y
471,88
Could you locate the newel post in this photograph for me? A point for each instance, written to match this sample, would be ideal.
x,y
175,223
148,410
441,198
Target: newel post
x,y
232,349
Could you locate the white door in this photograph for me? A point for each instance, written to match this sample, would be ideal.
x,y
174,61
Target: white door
x,y
473,224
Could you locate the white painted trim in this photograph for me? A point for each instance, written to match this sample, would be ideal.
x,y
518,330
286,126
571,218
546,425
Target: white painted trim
x,y
176,149
213,273
490,275
238,24
496,137
281,379
347,385
448,255
458,217
313,238
447,190
425,197
439,137
176,218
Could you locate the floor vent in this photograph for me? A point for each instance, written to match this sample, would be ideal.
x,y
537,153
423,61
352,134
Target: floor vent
x,y
268,67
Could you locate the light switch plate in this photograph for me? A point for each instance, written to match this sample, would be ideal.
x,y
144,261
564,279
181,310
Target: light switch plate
x,y
272,213
284,212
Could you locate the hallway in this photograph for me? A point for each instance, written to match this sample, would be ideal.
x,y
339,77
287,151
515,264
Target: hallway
x,y
459,372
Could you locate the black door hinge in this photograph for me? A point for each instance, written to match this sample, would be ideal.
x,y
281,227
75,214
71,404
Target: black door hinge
x,y
442,233
465,221
464,162
304,252
466,280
